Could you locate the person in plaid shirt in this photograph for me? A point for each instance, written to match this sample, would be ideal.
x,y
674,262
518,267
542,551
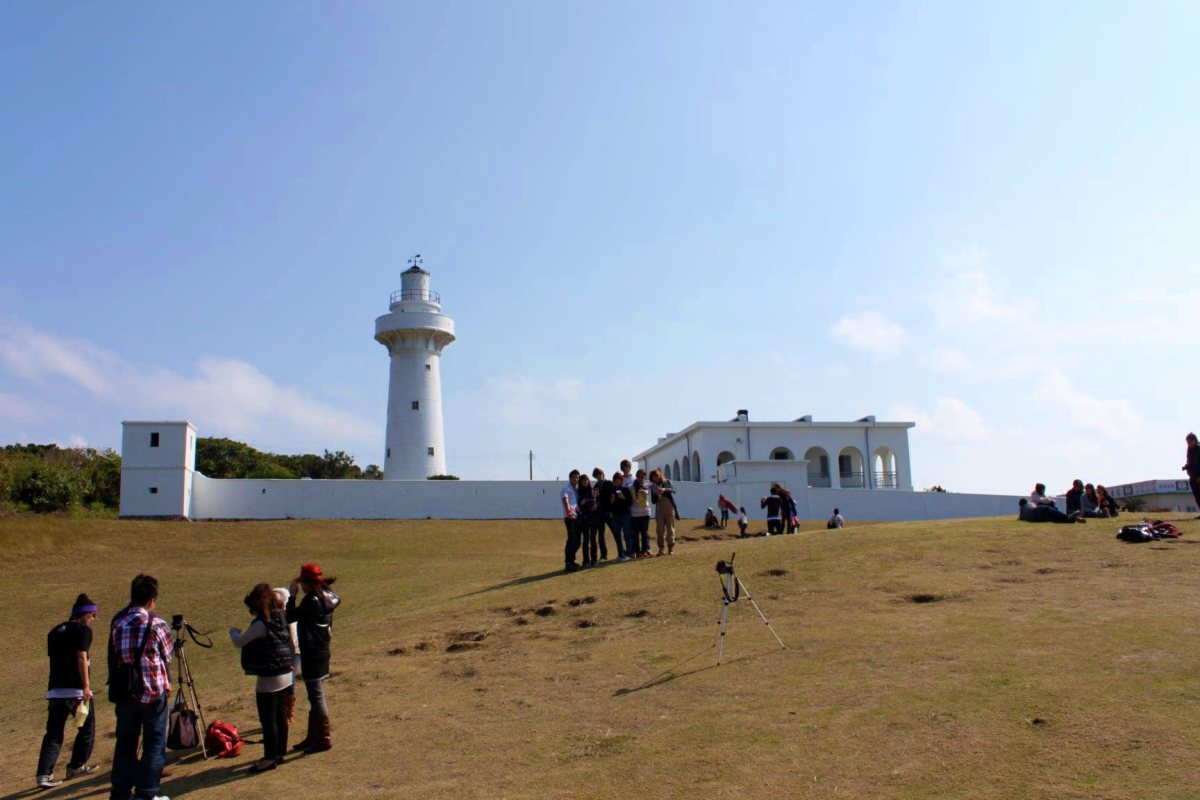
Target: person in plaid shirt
x,y
146,717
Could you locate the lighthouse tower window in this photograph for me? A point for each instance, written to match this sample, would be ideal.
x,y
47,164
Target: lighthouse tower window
x,y
416,405
429,450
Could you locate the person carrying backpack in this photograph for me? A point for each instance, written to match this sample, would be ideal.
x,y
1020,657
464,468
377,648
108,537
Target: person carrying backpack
x,y
267,654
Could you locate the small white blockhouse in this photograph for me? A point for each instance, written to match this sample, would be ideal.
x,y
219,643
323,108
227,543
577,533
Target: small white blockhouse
x,y
158,461
803,453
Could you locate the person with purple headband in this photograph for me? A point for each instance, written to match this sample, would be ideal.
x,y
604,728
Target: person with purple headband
x,y
69,694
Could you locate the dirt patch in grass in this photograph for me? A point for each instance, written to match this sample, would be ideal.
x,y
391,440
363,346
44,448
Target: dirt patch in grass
x,y
922,598
774,572
581,601
546,611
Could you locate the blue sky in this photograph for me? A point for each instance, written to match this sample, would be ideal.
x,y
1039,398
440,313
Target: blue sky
x,y
639,215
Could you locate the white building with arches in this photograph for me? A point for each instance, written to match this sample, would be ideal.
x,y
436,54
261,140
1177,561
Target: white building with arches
x,y
803,453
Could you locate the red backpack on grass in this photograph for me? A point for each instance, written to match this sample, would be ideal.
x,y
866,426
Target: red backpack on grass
x,y
222,740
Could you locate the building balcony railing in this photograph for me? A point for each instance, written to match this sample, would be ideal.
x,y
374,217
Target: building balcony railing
x,y
818,481
851,480
887,480
415,294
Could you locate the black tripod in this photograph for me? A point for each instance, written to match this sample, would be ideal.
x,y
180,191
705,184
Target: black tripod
x,y
187,684
731,589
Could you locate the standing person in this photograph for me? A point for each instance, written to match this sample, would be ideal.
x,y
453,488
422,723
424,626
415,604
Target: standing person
x,y
726,506
773,503
603,489
314,627
743,521
69,694
267,654
639,514
587,505
622,500
788,511
662,493
140,641
568,496
1192,467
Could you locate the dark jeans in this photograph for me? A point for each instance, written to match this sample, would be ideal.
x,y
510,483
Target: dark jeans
x,y
774,527
593,539
272,714
59,712
1195,484
640,535
316,696
1044,513
572,547
724,517
147,721
619,523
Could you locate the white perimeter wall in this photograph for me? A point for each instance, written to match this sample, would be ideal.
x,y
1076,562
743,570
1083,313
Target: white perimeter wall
x,y
363,499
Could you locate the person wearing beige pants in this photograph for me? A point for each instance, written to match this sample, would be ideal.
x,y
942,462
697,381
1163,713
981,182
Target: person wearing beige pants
x,y
663,495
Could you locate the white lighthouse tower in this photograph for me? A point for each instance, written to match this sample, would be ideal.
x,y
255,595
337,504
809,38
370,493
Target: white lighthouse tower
x,y
414,333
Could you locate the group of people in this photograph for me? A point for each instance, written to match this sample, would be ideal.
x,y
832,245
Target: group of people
x,y
141,648
1083,502
624,505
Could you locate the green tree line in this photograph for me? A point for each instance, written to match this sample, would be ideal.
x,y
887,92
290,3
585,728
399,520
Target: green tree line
x,y
226,458
46,477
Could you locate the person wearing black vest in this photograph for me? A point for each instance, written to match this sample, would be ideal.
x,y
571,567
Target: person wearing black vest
x,y
267,654
314,623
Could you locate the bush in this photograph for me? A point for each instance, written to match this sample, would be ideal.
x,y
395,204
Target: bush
x,y
45,487
271,471
442,478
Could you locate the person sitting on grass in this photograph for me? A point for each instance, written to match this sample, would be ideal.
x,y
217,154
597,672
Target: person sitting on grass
x,y
1031,512
1108,506
1038,496
710,518
836,521
1089,504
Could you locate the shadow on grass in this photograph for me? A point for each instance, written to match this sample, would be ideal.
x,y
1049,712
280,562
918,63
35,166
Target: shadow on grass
x,y
99,784
543,576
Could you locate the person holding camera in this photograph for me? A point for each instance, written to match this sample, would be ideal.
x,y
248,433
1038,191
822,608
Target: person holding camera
x,y
140,649
662,493
69,694
314,626
267,654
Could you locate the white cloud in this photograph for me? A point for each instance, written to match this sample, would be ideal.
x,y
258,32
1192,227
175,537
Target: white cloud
x,y
951,420
871,333
1113,419
969,298
223,395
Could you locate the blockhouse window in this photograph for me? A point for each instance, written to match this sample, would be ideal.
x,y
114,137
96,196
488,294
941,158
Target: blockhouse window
x,y
153,490
154,439
389,452
416,405
429,450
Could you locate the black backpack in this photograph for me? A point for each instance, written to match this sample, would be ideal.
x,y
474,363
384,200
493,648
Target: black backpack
x,y
125,682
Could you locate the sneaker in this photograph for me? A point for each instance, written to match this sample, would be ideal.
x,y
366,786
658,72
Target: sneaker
x,y
86,769
622,559
47,781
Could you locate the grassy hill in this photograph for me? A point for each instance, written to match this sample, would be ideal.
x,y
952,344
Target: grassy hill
x,y
1046,661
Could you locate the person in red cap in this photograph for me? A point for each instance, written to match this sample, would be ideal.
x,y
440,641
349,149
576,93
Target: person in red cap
x,y
314,625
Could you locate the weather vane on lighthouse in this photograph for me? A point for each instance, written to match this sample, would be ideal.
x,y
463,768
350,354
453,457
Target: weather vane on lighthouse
x,y
417,261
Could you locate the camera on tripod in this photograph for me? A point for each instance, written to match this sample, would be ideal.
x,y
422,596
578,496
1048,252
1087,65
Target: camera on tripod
x,y
177,622
726,567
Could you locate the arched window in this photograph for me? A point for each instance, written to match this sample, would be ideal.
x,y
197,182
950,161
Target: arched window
x,y
696,474
687,468
675,472
724,457
782,454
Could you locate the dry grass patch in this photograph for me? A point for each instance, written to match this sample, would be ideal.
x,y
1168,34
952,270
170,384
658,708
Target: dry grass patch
x,y
975,659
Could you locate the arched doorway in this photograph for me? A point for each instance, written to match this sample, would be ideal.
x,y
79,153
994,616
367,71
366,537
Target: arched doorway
x,y
696,473
883,467
724,457
850,468
818,467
